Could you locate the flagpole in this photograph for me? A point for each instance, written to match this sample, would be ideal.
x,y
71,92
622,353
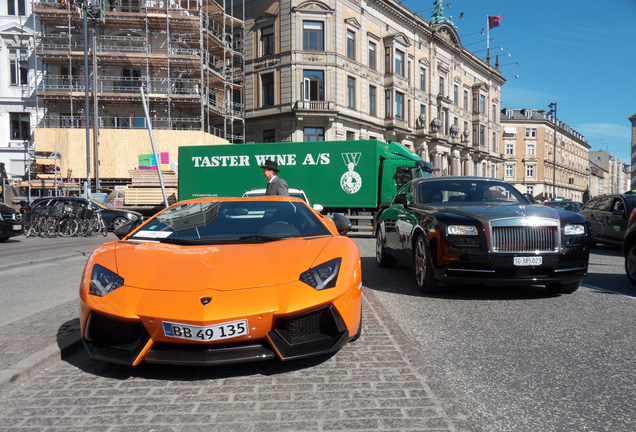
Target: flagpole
x,y
488,31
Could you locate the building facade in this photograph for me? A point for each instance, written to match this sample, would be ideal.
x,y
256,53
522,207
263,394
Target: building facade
x,y
362,69
90,65
528,138
18,112
632,119
613,174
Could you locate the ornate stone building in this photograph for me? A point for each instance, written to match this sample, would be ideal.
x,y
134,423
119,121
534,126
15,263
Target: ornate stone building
x,y
529,158
361,69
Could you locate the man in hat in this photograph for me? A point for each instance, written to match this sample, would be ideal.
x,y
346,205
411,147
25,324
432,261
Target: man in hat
x,y
276,185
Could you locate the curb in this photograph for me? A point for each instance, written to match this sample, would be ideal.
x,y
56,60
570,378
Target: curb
x,y
26,368
18,264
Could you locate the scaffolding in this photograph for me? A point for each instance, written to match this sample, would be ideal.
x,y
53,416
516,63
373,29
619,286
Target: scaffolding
x,y
187,55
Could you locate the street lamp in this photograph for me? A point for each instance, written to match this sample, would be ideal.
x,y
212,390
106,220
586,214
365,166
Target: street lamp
x,y
499,47
483,40
553,112
480,32
448,5
85,6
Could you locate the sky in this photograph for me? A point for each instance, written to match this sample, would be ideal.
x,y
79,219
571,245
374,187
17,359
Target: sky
x,y
580,54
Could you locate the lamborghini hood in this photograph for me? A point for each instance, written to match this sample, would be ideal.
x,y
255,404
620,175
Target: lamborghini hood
x,y
159,266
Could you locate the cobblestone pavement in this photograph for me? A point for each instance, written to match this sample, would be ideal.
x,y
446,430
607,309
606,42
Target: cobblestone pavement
x,y
22,338
378,383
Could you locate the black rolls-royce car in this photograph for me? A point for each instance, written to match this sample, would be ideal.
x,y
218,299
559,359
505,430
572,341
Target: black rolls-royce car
x,y
465,230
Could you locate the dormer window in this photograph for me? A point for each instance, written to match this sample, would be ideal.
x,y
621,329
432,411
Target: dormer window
x,y
509,113
527,113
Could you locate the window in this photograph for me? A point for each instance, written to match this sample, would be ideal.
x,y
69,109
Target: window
x,y
531,190
313,36
372,100
495,147
351,135
11,7
267,86
399,105
441,86
510,149
423,79
399,62
510,169
466,100
20,126
494,112
482,104
530,170
267,40
351,45
314,134
531,133
132,77
373,56
351,92
18,66
530,149
482,135
456,94
387,103
269,136
313,87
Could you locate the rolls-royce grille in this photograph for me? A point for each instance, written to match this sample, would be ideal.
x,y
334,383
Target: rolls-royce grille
x,y
525,238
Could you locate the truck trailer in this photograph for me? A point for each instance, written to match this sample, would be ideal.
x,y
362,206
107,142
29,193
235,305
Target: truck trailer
x,y
355,178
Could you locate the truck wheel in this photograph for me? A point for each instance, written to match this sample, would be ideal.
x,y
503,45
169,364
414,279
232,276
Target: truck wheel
x,y
424,275
381,255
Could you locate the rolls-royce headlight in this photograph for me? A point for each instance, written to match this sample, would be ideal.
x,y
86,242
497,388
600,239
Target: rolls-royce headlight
x,y
462,230
574,229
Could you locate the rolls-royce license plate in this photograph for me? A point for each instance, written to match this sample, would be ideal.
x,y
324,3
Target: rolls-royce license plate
x,y
528,261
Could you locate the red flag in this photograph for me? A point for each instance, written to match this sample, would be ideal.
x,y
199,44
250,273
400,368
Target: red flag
x,y
493,21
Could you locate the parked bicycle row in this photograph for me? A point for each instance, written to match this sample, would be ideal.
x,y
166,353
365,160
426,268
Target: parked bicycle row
x,y
66,219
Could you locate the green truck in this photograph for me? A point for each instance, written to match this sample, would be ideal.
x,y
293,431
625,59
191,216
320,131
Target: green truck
x,y
355,178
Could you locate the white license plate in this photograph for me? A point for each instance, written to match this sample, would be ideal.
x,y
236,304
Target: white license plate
x,y
16,227
208,333
528,261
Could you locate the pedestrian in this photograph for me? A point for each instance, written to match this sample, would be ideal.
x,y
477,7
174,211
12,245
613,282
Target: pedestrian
x,y
275,185
113,3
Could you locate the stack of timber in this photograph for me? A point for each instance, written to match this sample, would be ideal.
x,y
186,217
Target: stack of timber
x,y
145,188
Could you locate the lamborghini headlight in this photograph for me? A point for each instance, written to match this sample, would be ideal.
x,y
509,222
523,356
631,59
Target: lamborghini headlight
x,y
578,229
462,230
322,276
104,281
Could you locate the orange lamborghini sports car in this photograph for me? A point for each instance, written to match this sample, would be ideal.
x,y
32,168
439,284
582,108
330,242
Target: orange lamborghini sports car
x,y
223,280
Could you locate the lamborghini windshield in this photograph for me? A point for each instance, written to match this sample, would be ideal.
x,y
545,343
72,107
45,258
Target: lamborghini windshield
x,y
232,221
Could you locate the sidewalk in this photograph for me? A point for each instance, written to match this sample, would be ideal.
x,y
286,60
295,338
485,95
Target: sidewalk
x,y
377,383
32,343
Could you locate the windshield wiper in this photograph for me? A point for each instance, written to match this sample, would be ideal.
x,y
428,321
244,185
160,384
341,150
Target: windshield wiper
x,y
260,238
179,241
